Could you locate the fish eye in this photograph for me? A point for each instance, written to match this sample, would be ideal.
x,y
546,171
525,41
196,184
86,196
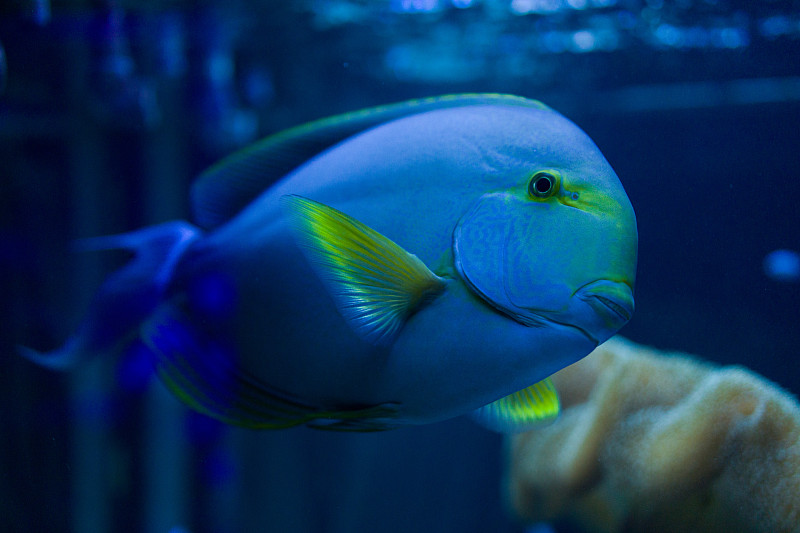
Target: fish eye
x,y
542,185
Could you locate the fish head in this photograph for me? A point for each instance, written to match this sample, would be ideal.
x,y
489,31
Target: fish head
x,y
558,247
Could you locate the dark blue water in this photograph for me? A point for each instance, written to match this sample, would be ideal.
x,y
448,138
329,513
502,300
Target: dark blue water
x,y
109,109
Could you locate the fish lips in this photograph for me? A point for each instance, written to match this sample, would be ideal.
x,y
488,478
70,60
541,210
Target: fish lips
x,y
612,305
598,310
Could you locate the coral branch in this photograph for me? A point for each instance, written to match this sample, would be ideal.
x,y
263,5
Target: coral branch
x,y
652,441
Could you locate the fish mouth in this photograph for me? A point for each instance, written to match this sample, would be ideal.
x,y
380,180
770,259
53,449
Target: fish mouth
x,y
528,317
603,313
611,300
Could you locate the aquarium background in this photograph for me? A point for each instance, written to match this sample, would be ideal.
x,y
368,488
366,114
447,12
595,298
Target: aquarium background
x,y
109,108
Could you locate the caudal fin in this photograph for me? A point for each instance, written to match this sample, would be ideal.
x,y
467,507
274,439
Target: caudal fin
x,y
127,297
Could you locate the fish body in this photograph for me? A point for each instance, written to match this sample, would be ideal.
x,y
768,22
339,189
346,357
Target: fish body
x,y
525,247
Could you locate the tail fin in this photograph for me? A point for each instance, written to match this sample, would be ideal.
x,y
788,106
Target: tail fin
x,y
127,297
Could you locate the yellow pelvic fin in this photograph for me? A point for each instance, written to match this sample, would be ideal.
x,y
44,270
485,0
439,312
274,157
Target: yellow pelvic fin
x,y
375,283
532,406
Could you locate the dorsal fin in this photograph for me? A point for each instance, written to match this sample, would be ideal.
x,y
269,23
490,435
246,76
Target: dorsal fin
x,y
221,191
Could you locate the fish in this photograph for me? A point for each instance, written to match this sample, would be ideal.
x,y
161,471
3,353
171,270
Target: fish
x,y
394,266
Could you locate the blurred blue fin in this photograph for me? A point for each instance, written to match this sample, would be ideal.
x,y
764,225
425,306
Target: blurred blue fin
x,y
222,190
126,298
202,371
64,357
530,407
375,283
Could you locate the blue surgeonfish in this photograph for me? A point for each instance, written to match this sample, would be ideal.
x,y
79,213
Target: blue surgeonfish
x,y
398,265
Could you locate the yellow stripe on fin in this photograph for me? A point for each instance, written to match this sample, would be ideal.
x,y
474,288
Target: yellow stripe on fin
x,y
532,406
375,284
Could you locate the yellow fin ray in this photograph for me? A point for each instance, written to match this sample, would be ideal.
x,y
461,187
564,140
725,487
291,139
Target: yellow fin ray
x,y
531,406
375,283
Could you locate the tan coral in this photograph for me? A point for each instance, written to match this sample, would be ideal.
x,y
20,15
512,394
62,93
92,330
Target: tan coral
x,y
651,441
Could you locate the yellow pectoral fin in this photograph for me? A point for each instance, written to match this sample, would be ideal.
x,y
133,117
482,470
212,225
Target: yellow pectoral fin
x,y
374,282
533,406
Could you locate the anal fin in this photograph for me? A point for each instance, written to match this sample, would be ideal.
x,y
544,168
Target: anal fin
x,y
204,375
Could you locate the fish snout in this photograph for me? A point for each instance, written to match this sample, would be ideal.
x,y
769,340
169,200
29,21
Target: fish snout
x,y
612,303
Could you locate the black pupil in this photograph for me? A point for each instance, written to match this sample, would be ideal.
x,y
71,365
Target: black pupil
x,y
543,184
